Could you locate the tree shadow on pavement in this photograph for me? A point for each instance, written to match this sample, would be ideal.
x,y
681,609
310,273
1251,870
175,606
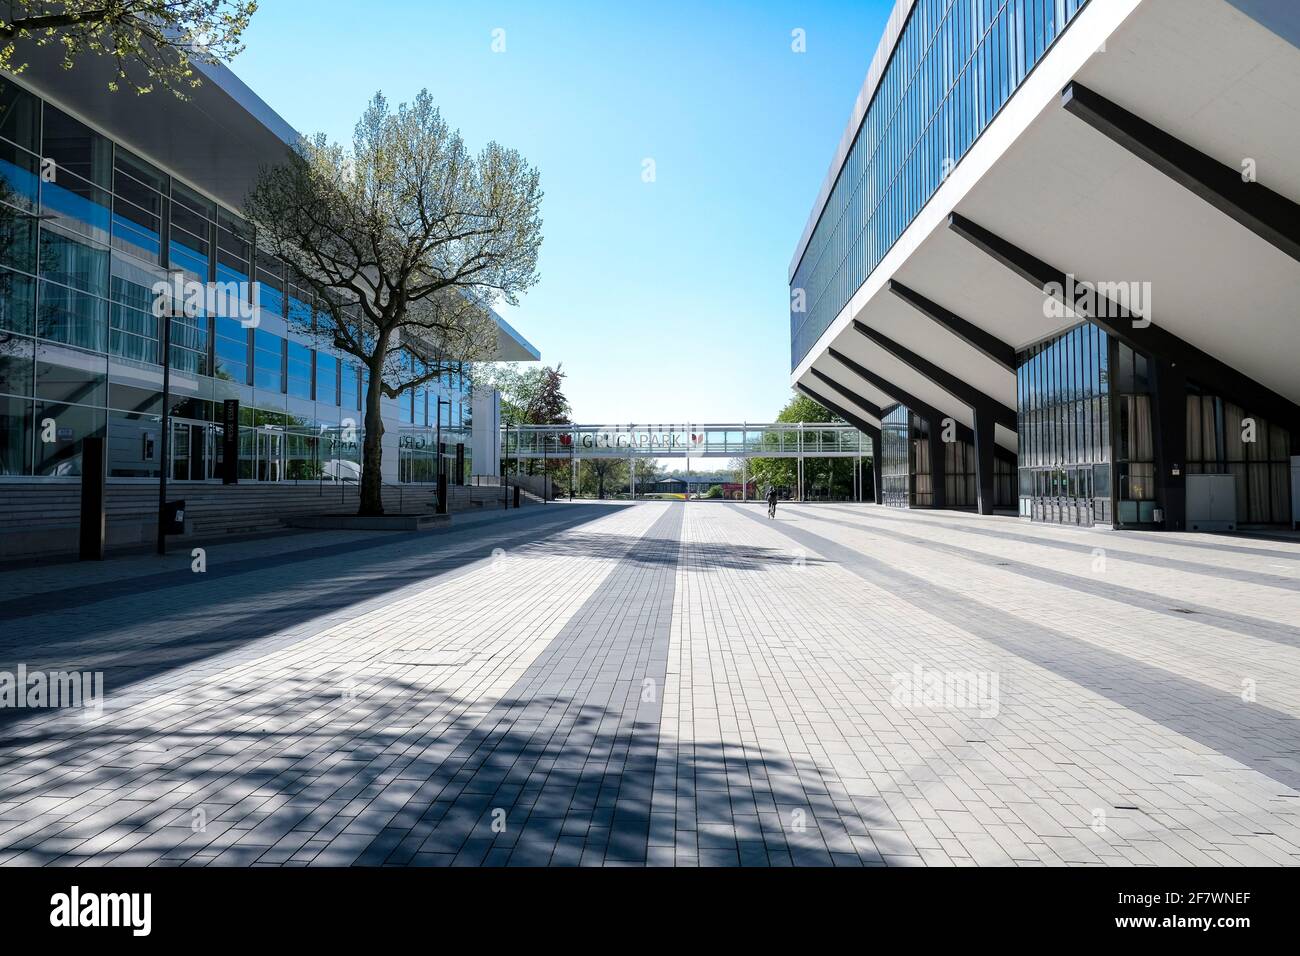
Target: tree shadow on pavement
x,y
207,619
389,770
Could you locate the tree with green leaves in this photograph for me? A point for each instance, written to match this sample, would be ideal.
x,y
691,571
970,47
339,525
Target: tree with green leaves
x,y
823,477
405,239
152,42
647,472
518,384
601,476
531,396
547,405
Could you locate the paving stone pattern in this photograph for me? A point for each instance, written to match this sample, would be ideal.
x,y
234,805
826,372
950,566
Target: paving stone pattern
x,y
665,684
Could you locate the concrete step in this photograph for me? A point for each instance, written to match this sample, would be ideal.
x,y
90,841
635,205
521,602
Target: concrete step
x,y
43,518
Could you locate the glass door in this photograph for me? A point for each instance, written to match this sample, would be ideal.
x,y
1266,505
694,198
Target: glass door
x,y
191,450
270,454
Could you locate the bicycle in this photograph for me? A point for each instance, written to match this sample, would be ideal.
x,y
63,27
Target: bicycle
x,y
771,509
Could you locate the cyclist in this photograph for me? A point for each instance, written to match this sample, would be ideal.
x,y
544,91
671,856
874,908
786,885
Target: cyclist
x,y
771,501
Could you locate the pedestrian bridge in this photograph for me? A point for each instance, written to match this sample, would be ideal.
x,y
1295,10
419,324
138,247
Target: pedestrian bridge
x,y
743,440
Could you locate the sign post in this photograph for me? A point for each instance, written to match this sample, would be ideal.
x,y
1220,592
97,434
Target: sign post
x,y
92,499
230,441
177,279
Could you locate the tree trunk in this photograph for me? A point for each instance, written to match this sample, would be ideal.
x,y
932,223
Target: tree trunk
x,y
372,462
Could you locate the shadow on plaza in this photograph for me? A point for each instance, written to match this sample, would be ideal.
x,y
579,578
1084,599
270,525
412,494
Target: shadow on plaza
x,y
174,619
183,619
566,782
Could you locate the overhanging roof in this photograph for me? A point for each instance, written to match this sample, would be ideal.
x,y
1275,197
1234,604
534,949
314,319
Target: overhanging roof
x,y
511,346
217,140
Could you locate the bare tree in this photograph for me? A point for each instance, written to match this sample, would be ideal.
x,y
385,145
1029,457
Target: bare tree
x,y
406,240
151,41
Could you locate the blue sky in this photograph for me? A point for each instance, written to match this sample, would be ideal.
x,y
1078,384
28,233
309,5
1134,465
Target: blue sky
x,y
665,301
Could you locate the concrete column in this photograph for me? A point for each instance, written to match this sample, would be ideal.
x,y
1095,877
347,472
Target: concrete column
x,y
1169,413
878,492
985,487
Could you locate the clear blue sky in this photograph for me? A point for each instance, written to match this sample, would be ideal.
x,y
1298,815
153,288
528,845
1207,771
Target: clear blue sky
x,y
664,301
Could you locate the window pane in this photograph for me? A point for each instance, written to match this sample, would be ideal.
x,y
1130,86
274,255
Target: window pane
x,y
77,148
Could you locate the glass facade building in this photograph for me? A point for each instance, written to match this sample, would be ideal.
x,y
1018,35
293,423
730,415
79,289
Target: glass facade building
x,y
908,477
1089,442
1223,439
84,237
1114,426
896,457
954,65
1063,419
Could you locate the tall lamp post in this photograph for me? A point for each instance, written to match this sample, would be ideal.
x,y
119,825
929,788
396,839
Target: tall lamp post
x,y
175,279
437,450
505,459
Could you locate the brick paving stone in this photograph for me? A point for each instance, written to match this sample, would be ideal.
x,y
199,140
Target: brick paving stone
x,y
666,684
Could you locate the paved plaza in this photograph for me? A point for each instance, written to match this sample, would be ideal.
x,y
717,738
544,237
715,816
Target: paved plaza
x,y
665,684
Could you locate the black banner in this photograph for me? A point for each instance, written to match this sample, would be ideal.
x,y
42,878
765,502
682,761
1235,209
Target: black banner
x,y
230,442
913,908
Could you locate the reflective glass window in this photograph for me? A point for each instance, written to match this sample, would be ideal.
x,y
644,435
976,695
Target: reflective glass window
x,y
268,359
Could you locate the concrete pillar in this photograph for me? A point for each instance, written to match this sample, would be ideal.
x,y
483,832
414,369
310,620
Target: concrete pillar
x,y
878,492
985,486
1169,411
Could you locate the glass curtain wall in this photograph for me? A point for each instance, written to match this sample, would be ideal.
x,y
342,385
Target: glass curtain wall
x,y
1063,397
80,348
1004,483
1222,439
1134,448
955,63
896,458
922,476
443,402
959,475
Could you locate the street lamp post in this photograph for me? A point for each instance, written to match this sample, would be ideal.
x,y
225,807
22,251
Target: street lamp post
x,y
504,437
437,450
174,279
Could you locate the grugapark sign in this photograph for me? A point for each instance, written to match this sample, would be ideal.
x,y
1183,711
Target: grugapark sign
x,y
674,440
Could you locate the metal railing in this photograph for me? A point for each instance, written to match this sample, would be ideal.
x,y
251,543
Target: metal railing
x,y
744,440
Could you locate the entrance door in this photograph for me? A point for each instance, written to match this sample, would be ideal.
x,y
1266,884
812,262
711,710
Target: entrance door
x,y
191,451
270,454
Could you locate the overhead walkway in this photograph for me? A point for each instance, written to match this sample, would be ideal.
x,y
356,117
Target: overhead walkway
x,y
743,441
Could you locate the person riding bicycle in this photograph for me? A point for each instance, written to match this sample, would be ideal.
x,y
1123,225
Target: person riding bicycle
x,y
771,501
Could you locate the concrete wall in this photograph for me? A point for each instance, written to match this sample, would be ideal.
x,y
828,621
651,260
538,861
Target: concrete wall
x,y
43,519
